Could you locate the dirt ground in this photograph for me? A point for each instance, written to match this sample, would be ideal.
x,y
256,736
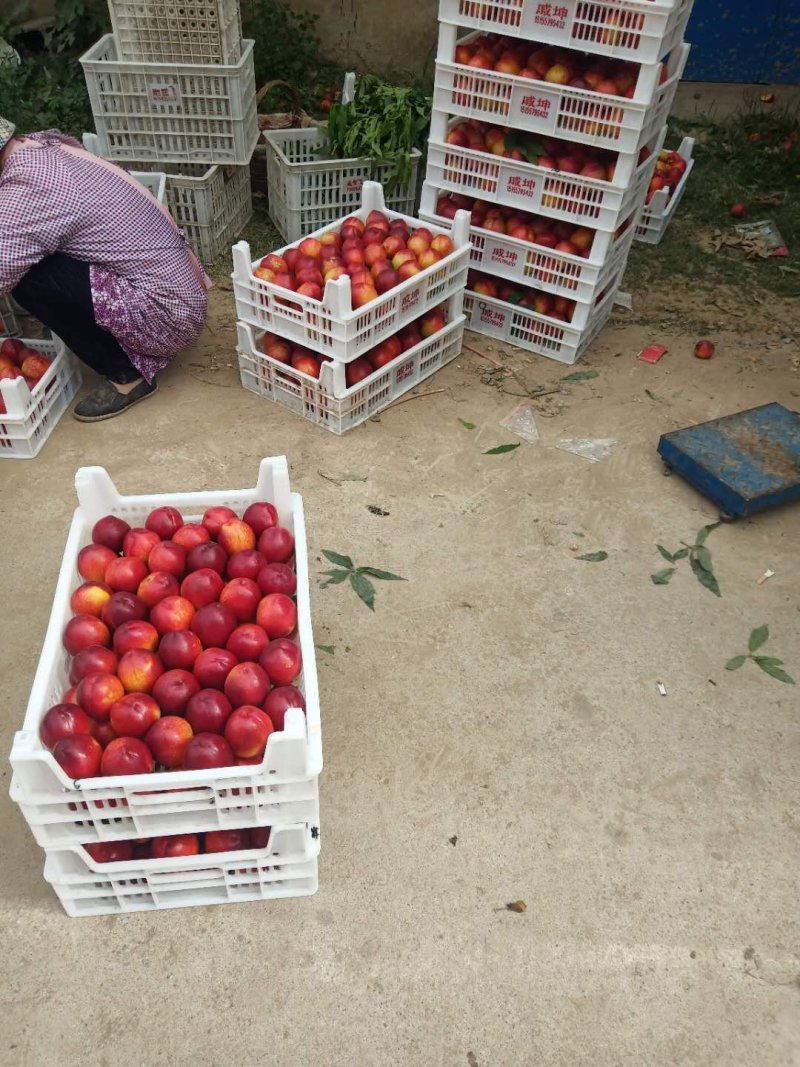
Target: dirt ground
x,y
492,733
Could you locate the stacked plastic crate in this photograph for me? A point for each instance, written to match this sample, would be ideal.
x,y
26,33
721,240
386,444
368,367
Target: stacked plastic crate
x,y
172,88
548,119
143,841
339,360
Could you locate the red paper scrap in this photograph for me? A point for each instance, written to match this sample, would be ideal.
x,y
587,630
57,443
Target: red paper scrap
x,y
652,354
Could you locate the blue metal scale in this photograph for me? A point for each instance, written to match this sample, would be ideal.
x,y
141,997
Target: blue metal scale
x,y
743,463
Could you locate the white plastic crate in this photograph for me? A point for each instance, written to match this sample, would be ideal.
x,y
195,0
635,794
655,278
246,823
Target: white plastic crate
x,y
286,867
211,205
308,191
556,110
282,790
535,333
177,31
32,413
656,215
535,265
331,327
328,401
9,323
571,197
640,30
155,181
171,112
608,276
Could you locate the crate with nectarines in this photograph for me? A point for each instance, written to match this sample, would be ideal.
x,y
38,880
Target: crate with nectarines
x,y
535,320
639,30
176,691
185,869
559,257
564,180
339,395
573,95
38,379
345,289
666,190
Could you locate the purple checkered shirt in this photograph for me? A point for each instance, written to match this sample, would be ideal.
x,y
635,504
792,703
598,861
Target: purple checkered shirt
x,y
145,289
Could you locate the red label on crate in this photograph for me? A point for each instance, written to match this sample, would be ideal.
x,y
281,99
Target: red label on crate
x,y
410,300
353,185
404,371
496,255
165,95
551,16
488,319
533,108
523,188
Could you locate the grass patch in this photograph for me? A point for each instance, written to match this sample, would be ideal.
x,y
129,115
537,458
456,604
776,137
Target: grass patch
x,y
260,232
752,158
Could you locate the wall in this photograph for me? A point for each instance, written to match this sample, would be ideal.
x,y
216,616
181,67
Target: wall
x,y
380,36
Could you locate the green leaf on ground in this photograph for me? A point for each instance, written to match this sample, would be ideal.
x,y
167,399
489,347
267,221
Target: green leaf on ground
x,y
757,638
384,576
467,425
682,554
330,649
703,557
338,559
735,663
704,576
668,556
768,666
581,376
334,577
662,577
594,557
363,588
501,449
704,531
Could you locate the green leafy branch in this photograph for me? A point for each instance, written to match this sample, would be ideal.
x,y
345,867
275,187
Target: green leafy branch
x,y
768,664
699,557
359,577
383,123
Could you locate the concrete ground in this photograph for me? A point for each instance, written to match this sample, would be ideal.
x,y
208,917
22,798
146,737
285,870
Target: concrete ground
x,y
492,733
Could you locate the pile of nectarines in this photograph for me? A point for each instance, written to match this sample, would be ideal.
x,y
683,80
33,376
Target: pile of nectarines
x,y
557,66
377,255
555,307
389,350
176,845
564,237
18,360
549,153
670,168
182,645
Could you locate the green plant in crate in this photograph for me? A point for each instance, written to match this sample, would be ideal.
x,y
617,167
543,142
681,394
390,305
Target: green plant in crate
x,y
383,123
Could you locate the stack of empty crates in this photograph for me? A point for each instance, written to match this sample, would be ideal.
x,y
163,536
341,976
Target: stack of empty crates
x,y
172,88
547,123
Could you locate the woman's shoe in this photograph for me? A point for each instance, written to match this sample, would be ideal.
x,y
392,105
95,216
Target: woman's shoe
x,y
106,401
